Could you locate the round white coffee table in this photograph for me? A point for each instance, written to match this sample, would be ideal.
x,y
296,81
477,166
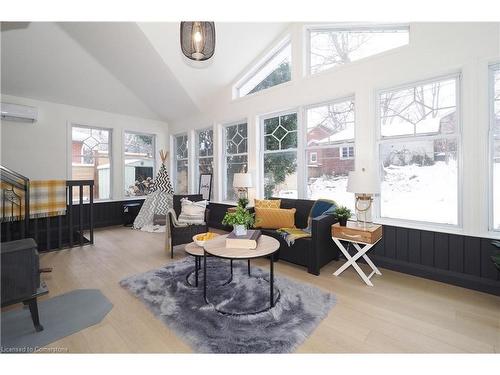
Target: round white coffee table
x,y
266,246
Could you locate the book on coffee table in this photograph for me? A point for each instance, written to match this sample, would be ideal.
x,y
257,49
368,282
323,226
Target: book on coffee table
x,y
247,241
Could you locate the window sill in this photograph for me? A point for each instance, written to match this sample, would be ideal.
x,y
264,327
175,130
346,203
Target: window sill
x,y
427,226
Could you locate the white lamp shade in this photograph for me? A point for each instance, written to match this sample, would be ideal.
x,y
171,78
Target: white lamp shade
x,y
363,182
242,180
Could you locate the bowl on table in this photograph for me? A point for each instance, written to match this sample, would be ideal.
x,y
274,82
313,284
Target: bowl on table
x,y
202,238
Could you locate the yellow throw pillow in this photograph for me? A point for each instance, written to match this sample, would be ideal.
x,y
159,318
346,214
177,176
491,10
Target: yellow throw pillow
x,y
267,203
274,218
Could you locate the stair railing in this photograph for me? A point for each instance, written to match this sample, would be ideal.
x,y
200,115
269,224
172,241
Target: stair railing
x,y
79,214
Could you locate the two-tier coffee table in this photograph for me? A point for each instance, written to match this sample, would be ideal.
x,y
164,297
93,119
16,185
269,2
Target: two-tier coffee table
x,y
266,246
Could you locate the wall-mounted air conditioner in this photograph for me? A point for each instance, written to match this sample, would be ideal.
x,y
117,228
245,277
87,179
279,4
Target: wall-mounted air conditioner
x,y
20,113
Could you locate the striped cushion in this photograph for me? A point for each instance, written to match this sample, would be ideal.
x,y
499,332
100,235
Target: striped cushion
x,y
274,218
267,203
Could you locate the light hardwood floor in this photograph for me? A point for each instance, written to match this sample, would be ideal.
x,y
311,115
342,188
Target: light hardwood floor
x,y
401,313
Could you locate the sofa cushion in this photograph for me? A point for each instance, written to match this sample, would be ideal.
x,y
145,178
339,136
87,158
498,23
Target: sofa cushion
x,y
267,203
274,218
192,212
303,207
178,197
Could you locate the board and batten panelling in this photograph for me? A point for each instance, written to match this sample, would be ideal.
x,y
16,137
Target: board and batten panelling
x,y
451,258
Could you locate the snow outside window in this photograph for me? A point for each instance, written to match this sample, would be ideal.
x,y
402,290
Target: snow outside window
x,y
330,135
235,157
418,152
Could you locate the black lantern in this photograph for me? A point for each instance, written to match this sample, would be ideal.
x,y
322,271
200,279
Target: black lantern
x,y
198,40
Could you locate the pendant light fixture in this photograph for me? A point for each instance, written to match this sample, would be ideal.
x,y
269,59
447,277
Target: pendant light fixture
x,y
198,40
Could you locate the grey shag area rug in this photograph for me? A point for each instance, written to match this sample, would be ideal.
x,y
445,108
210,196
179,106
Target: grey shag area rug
x,y
60,316
165,291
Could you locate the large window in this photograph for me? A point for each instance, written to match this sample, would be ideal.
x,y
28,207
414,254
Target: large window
x,y
280,155
495,145
139,159
275,70
330,151
205,152
332,46
419,128
91,160
181,163
235,156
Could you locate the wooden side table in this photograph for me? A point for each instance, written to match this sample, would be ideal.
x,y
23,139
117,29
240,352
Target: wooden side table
x,y
357,235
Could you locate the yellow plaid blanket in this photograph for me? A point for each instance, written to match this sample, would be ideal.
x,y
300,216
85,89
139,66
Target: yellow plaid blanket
x,y
47,198
292,234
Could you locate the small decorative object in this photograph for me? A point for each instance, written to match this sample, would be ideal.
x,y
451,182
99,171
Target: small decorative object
x,y
248,241
200,239
342,213
241,182
241,219
205,188
198,40
364,184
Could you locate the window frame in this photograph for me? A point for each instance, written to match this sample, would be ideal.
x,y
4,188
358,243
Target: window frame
x,y
339,144
198,157
492,69
457,75
315,154
348,147
124,158
263,152
260,64
225,156
175,159
349,27
110,155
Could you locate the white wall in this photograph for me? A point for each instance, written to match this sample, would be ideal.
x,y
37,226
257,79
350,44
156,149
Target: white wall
x,y
42,150
435,49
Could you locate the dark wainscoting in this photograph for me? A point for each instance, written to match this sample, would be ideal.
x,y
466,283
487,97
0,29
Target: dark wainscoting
x,y
107,214
449,258
45,231
454,259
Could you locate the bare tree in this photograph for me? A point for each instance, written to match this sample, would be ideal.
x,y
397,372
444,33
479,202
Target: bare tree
x,y
339,48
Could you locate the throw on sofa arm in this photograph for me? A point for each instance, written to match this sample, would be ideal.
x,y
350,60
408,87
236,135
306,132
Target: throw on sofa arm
x,y
323,249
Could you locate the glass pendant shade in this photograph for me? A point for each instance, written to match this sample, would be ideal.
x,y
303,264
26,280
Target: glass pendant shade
x,y
198,40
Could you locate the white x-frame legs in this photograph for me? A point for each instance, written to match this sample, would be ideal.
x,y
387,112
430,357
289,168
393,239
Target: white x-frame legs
x,y
351,261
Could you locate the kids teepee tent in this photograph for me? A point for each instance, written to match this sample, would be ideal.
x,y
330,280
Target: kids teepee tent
x,y
158,202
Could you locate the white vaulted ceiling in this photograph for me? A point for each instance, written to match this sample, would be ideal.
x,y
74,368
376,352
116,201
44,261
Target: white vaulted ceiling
x,y
129,68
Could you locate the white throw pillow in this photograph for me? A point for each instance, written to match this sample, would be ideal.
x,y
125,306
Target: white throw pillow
x,y
192,212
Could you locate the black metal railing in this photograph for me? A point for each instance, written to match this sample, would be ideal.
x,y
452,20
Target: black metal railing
x,y
50,233
12,202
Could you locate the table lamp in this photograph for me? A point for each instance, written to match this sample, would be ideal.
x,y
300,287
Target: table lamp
x,y
364,184
241,182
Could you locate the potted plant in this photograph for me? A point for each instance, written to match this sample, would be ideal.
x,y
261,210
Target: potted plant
x,y
342,213
241,219
243,202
